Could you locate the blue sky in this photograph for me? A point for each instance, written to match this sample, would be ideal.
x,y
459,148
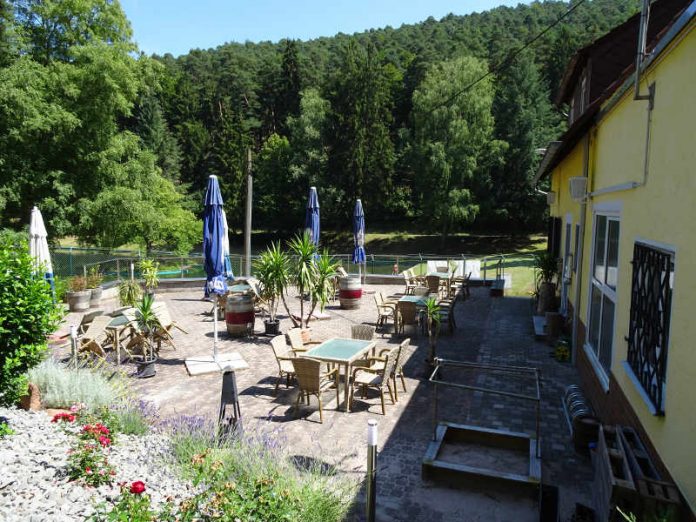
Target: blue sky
x,y
176,26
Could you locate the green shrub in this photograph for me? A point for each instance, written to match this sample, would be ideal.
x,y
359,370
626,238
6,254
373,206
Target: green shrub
x,y
27,316
250,479
61,386
5,429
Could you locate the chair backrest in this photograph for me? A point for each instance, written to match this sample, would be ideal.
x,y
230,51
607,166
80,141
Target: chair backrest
x,y
129,313
295,338
89,317
442,268
407,311
162,314
379,299
364,332
392,359
433,283
308,372
341,271
279,347
421,290
97,328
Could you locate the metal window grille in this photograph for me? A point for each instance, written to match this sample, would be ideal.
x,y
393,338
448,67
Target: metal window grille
x,y
651,304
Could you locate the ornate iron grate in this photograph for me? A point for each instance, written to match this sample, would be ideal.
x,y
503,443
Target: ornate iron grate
x,y
648,335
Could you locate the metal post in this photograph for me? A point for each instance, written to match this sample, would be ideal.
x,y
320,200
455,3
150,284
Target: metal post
x,y
371,469
84,270
247,226
73,344
132,270
118,269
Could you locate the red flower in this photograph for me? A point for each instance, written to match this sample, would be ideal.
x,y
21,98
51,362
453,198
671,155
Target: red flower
x,y
137,487
63,417
88,470
104,441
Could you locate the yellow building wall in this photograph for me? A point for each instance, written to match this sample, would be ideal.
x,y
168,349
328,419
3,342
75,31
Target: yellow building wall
x,y
662,211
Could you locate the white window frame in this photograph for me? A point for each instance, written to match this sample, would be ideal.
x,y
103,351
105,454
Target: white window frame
x,y
612,211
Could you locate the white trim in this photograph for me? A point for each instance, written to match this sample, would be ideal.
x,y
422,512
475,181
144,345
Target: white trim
x,y
599,370
615,188
569,218
657,244
608,207
639,388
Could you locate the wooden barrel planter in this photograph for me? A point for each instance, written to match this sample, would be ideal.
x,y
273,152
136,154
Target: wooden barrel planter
x,y
349,292
239,315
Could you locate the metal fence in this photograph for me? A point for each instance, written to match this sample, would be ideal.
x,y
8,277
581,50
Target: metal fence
x,y
517,269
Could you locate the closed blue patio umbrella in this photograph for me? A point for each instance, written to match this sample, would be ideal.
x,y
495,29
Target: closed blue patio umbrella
x,y
359,235
312,215
214,240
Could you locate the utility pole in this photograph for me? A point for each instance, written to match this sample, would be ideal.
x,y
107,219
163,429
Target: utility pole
x,y
247,227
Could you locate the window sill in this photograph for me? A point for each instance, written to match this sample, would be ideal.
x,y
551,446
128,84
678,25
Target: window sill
x,y
639,388
601,374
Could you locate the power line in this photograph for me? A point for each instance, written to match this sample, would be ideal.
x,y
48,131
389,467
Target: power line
x,y
510,58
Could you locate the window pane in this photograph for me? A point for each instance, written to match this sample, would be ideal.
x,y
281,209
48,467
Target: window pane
x,y
607,333
595,308
612,253
600,245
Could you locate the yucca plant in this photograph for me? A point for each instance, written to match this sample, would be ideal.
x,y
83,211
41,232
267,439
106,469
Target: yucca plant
x,y
323,286
149,269
272,269
432,315
147,321
129,292
304,252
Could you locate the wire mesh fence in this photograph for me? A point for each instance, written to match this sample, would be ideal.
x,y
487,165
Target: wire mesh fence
x,y
516,269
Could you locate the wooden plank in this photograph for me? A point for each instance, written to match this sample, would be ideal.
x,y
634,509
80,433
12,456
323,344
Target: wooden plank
x,y
481,472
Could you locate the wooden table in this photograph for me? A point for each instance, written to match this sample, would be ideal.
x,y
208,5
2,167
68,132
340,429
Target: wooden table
x,y
342,352
115,328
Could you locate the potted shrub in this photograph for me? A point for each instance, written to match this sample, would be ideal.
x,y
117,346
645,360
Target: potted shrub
x,y
272,269
94,281
304,253
546,265
78,295
148,271
129,292
147,323
324,274
432,317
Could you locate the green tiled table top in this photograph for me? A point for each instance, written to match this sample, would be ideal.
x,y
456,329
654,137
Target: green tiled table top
x,y
419,300
118,321
238,289
441,275
339,349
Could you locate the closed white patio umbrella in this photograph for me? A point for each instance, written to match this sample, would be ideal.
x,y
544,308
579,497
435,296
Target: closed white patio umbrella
x,y
38,246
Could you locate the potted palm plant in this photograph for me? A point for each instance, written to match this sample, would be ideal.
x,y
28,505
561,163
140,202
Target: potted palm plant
x,y
272,269
147,322
304,253
324,273
129,292
94,281
78,296
148,271
546,265
432,317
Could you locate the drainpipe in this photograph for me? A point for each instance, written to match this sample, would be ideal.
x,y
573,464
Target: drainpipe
x,y
579,253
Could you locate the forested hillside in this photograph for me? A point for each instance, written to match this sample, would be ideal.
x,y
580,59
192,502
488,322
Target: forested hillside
x,y
117,147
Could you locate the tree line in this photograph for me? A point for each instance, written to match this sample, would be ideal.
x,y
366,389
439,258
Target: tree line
x,y
422,122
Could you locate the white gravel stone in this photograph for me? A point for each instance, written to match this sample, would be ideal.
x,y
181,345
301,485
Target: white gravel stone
x,y
33,481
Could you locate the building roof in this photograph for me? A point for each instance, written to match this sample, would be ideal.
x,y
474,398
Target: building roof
x,y
612,59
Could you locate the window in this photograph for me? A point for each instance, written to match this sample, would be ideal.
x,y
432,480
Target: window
x,y
648,332
604,277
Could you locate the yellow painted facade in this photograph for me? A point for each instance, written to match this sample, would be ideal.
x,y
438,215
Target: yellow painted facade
x,y
662,211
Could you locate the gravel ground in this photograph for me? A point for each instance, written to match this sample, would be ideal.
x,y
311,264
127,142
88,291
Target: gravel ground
x,y
33,482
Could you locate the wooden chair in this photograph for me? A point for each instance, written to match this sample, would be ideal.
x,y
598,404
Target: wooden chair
x,y
447,313
407,315
166,325
385,310
313,381
284,359
378,378
87,320
96,336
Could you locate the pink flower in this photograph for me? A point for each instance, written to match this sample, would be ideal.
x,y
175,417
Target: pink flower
x,y
137,487
104,441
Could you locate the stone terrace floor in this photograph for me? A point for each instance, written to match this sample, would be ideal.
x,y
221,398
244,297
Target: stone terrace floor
x,y
489,330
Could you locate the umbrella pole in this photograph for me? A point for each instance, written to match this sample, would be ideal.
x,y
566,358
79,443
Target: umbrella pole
x,y
215,330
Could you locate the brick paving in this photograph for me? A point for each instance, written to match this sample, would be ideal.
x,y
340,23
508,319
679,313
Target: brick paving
x,y
494,331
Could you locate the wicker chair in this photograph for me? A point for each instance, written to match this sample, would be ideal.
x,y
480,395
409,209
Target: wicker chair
x,y
385,310
378,378
364,332
447,313
433,284
296,342
312,381
407,315
421,291
379,361
410,281
284,359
